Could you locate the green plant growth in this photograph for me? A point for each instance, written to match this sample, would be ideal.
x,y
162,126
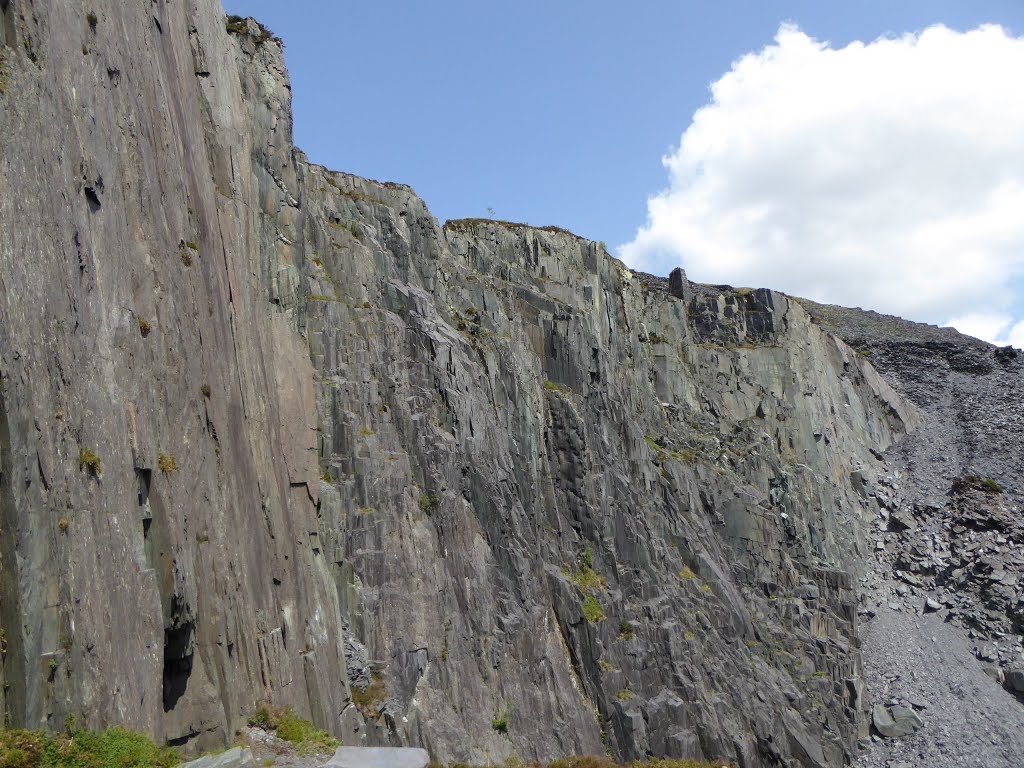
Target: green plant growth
x,y
687,574
500,724
144,326
625,695
561,389
585,577
368,700
289,727
92,20
90,462
626,630
988,485
429,501
592,610
166,463
116,748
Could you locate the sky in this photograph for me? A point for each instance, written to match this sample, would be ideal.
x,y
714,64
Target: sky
x,y
864,153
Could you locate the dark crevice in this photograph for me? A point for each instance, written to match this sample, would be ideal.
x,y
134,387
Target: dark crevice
x,y
179,645
94,199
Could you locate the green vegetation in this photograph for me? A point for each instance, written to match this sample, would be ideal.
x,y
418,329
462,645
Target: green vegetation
x,y
465,225
237,25
625,695
991,486
500,724
205,390
92,20
687,574
293,729
429,501
606,666
368,700
116,748
585,577
365,432
664,453
974,482
654,338
63,524
626,630
166,463
592,610
561,389
89,461
144,326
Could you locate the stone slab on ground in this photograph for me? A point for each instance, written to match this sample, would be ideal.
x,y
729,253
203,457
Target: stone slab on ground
x,y
238,757
378,757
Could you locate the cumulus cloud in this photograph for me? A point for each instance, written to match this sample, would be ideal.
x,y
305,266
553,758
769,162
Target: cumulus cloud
x,y
887,175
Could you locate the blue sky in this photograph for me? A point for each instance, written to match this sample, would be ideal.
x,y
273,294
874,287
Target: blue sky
x,y
549,112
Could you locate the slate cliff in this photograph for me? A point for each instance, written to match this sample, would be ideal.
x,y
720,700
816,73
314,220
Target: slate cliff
x,y
271,433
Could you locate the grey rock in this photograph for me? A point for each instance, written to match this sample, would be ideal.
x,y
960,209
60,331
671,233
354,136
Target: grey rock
x,y
378,757
415,479
237,757
895,722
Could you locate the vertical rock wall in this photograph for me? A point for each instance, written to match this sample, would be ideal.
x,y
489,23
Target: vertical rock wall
x,y
270,433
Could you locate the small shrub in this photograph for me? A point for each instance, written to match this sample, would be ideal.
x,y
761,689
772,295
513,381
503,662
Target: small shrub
x,y
687,574
991,486
63,524
205,390
368,700
144,326
357,233
606,666
92,20
500,724
365,432
626,630
625,695
90,462
293,729
592,610
429,501
186,258
167,463
561,389
202,537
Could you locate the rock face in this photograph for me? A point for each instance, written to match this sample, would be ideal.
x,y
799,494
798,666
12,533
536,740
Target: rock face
x,y
270,433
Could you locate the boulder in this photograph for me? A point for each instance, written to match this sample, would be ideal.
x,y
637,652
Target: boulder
x,y
895,722
238,757
378,757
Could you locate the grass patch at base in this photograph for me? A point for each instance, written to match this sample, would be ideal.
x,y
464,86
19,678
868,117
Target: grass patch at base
x,y
291,728
116,748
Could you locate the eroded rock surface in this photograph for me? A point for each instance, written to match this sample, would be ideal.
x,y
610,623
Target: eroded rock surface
x,y
274,434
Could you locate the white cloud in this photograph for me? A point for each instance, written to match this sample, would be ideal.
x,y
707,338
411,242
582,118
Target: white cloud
x,y
888,175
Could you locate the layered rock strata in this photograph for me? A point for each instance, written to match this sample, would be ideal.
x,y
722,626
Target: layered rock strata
x,y
272,433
